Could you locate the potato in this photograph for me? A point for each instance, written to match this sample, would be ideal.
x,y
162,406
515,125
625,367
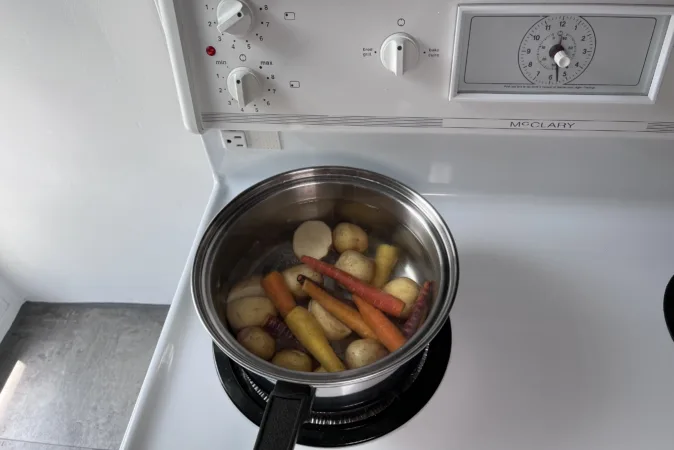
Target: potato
x,y
257,341
333,328
347,236
290,276
356,264
363,352
249,312
249,287
404,289
320,369
312,238
293,360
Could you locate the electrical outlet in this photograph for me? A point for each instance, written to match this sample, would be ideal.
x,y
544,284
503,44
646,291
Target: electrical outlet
x,y
234,140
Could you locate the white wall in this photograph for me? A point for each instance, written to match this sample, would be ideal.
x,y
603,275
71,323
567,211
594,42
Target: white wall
x,y
101,187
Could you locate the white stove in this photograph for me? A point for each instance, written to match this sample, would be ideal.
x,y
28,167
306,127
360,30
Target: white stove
x,y
564,232
559,338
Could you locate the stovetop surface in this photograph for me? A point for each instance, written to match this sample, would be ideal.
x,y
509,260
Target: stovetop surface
x,y
559,339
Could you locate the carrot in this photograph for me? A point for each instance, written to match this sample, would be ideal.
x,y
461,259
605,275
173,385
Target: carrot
x,y
277,328
347,315
308,331
377,298
279,293
413,322
385,259
387,333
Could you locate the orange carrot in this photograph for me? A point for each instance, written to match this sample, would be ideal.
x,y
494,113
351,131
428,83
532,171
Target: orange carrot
x,y
344,313
387,333
413,322
377,298
278,292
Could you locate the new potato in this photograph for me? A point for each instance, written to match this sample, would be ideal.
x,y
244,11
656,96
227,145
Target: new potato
x,y
356,264
249,312
249,287
333,328
363,352
257,341
406,290
347,236
293,360
290,277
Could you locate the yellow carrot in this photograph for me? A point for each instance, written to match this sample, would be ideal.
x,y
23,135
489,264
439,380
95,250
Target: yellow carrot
x,y
343,312
308,331
385,259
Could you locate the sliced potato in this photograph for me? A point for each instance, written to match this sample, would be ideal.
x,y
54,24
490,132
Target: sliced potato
x,y
290,276
363,352
356,264
333,328
257,341
249,312
249,287
347,236
406,290
293,360
312,238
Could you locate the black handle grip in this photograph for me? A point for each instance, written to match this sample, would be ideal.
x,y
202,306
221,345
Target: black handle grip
x,y
287,409
668,306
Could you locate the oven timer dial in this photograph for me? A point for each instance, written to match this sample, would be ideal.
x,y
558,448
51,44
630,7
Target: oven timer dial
x,y
556,50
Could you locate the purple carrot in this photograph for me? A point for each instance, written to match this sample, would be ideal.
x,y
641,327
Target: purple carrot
x,y
413,322
277,328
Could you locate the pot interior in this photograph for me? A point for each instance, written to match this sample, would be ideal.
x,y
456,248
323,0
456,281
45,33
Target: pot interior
x,y
254,236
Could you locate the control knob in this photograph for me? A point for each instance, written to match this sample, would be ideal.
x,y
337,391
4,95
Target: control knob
x,y
243,85
399,53
235,17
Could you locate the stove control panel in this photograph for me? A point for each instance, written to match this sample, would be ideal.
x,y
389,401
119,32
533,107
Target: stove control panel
x,y
400,65
570,53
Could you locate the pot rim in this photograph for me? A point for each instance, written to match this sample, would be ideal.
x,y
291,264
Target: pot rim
x,y
445,249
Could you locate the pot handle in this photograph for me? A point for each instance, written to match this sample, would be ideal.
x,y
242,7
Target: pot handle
x,y
668,307
287,409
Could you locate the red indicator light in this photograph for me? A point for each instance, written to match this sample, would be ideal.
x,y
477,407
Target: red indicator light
x,y
210,50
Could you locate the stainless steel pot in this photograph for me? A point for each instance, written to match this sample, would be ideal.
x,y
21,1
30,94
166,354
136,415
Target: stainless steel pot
x,y
252,235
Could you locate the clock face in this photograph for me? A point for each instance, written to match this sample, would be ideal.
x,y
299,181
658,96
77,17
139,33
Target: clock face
x,y
571,35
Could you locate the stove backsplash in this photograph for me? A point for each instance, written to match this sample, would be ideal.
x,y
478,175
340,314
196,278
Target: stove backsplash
x,y
589,168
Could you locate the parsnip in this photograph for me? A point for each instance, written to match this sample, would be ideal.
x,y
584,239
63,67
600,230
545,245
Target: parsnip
x,y
385,260
312,238
308,331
